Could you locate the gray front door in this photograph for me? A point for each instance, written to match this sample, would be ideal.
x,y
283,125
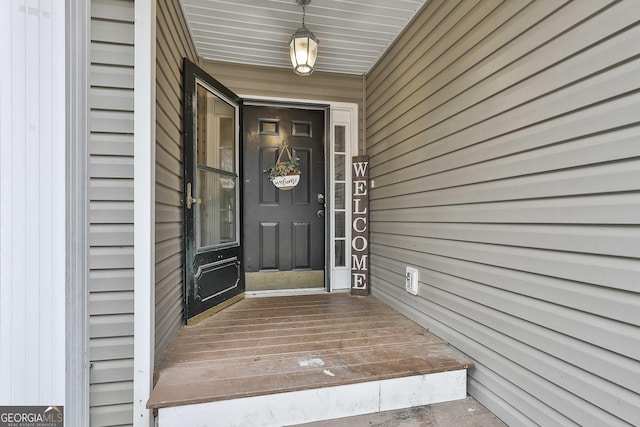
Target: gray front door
x,y
283,229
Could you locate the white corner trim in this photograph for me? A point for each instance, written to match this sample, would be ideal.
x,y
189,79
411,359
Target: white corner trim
x,y
77,413
144,209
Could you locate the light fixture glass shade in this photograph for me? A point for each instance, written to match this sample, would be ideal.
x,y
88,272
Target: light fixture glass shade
x,y
303,49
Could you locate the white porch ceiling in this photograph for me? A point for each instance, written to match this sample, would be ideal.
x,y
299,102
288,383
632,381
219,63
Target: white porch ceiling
x,y
353,34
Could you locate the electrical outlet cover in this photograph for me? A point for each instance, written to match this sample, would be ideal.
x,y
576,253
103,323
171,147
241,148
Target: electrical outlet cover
x,y
411,280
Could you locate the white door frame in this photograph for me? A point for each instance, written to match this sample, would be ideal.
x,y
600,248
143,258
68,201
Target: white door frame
x,y
341,113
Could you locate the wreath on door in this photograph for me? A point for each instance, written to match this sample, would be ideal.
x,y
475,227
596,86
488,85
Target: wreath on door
x,y
285,175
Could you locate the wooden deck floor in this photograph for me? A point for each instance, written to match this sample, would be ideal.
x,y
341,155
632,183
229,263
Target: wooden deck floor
x,y
272,345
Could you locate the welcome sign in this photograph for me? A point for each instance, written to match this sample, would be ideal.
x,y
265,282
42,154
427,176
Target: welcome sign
x,y
360,226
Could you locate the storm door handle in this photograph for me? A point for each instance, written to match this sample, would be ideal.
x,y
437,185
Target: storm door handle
x,y
191,200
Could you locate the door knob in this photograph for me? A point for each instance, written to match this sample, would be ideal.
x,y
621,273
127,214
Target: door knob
x,y
320,213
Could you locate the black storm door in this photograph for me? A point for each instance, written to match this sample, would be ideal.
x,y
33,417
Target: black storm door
x,y
212,193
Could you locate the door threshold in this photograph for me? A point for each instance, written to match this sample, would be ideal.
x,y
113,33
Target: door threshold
x,y
284,292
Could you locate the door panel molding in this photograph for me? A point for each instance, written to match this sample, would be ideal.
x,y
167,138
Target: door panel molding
x,y
302,192
269,245
268,193
300,243
204,272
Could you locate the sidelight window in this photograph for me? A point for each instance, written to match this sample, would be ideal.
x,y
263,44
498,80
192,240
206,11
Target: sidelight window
x,y
339,188
344,145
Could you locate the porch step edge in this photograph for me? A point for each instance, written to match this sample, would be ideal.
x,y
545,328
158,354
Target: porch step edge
x,y
320,404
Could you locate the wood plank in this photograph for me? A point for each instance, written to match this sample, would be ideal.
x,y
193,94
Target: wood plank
x,y
427,356
272,345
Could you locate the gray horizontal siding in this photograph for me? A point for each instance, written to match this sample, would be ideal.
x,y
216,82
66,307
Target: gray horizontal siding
x,y
112,415
111,213
504,154
173,43
110,348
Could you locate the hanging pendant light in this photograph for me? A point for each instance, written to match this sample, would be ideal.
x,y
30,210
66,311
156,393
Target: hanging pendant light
x,y
303,47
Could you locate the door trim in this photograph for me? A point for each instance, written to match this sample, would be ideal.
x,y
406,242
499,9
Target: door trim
x,y
144,137
335,278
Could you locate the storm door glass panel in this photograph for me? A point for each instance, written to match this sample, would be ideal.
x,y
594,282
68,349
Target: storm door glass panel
x,y
216,162
339,187
215,215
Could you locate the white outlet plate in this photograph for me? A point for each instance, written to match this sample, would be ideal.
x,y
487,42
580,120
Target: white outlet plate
x,y
411,280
